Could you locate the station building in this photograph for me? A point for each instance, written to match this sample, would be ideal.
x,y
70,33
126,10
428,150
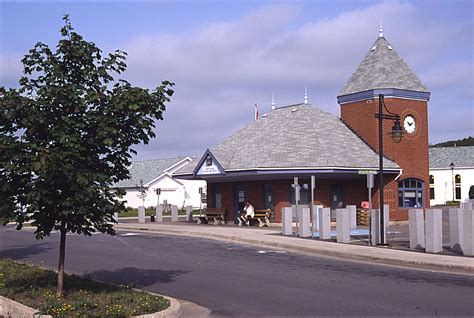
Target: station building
x,y
260,161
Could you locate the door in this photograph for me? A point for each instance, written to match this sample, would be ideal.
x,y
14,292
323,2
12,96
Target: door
x,y
337,198
268,200
239,200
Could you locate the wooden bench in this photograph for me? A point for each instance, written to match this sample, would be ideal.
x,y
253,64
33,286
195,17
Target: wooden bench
x,y
215,214
261,216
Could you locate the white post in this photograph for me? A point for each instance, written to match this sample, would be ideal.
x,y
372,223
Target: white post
x,y
352,209
467,205
189,213
325,224
386,215
416,228
304,229
468,229
434,236
375,226
343,226
174,213
316,213
159,213
287,221
456,229
141,214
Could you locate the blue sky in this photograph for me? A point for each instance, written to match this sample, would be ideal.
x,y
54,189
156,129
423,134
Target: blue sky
x,y
225,55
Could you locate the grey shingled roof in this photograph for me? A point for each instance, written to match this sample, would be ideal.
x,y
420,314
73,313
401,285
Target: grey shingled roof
x,y
147,171
296,136
441,157
382,68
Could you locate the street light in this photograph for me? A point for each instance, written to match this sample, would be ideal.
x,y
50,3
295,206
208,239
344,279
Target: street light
x,y
451,165
397,134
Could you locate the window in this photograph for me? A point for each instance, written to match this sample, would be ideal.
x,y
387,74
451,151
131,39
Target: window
x,y
432,189
457,186
410,193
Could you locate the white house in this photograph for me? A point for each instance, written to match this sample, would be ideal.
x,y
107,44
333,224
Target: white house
x,y
150,175
451,173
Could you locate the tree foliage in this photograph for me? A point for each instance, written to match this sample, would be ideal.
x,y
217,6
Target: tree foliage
x,y
468,141
66,136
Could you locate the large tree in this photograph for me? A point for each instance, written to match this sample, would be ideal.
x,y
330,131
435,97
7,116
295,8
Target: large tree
x,y
66,136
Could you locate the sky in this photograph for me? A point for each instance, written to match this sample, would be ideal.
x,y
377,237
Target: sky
x,y
224,56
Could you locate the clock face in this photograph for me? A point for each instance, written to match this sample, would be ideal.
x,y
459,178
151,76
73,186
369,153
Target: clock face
x,y
409,124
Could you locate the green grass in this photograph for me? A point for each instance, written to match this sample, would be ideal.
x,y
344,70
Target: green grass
x,y
83,297
149,211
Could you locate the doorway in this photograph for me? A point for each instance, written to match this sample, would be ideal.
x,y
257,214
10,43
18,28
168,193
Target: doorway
x,y
240,196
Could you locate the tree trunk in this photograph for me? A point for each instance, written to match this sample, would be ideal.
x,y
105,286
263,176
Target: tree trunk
x,y
62,254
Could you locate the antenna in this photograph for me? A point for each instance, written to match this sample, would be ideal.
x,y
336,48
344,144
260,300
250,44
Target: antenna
x,y
381,29
273,101
305,95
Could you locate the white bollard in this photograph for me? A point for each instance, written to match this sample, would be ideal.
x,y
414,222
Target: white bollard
x,y
287,221
375,226
352,209
316,211
434,231
386,215
343,226
467,205
456,229
141,214
116,217
304,229
174,213
468,229
325,224
416,228
159,213
189,213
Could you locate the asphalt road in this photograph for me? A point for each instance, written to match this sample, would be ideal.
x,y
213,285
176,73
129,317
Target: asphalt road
x,y
238,280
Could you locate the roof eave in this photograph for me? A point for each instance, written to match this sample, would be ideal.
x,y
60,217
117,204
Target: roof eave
x,y
387,92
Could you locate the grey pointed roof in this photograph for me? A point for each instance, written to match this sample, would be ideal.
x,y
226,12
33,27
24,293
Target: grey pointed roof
x,y
441,157
382,68
146,171
296,136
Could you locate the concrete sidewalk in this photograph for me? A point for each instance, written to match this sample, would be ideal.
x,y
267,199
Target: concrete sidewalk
x,y
271,237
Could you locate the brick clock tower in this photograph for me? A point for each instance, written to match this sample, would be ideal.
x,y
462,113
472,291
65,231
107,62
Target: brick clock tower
x,y
383,72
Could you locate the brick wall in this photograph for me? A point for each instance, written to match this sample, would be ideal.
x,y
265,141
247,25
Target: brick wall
x,y
355,191
411,153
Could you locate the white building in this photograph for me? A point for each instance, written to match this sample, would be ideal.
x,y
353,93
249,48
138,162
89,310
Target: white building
x,y
451,173
150,175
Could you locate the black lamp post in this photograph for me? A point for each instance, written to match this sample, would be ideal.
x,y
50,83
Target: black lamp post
x,y
397,134
451,165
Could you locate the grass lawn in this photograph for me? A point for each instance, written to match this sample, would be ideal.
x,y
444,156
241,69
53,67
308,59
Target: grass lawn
x,y
83,297
132,212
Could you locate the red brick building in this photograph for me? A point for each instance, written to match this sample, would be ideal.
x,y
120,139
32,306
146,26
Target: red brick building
x,y
259,162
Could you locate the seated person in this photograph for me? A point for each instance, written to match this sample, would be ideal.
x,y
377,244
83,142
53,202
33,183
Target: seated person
x,y
247,213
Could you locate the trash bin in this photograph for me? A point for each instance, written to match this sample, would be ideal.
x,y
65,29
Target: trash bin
x,y
152,218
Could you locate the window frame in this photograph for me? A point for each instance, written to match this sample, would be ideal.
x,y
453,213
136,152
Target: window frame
x,y
411,185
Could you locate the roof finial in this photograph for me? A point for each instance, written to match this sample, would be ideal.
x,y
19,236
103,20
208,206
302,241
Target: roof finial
x,y
273,101
305,95
381,29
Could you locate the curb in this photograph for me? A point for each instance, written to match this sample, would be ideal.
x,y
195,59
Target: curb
x,y
400,259
11,308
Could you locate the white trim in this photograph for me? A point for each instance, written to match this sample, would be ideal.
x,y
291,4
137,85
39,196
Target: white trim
x,y
165,172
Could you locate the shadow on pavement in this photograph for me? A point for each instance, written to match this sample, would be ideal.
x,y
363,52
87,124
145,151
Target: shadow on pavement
x,y
136,277
24,252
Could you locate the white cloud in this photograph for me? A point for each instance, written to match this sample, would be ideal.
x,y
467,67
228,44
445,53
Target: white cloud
x,y
221,69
